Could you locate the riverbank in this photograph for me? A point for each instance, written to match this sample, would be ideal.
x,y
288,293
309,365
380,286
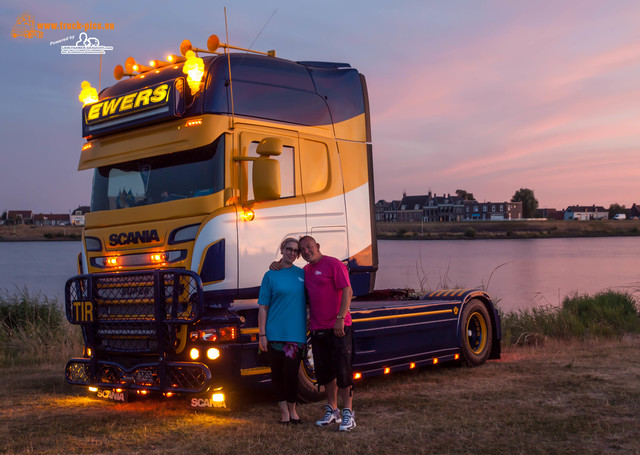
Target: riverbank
x,y
28,233
525,229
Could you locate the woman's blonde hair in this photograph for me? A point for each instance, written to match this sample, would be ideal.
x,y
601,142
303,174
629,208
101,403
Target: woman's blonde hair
x,y
287,240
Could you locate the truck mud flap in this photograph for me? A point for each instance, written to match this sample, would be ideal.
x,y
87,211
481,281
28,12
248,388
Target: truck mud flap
x,y
180,377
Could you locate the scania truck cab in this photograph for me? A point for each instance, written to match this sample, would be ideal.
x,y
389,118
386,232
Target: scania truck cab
x,y
198,177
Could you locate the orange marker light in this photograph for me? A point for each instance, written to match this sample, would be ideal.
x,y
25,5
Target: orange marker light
x,y
247,215
112,261
456,357
387,370
194,122
357,375
412,365
194,354
158,257
435,360
86,146
213,353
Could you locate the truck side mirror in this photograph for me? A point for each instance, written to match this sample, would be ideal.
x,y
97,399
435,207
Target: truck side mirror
x,y
266,172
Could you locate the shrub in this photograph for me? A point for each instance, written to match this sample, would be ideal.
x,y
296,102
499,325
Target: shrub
x,y
470,233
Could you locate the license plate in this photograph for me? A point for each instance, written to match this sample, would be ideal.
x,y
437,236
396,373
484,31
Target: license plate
x,y
120,396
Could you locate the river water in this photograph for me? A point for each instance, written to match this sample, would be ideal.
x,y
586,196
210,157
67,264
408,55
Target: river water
x,y
518,274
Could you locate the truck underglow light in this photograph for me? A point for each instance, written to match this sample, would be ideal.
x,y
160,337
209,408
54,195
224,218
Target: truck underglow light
x,y
435,360
387,370
194,354
218,397
93,389
456,357
412,365
357,375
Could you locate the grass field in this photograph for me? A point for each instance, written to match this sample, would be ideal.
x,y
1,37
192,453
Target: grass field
x,y
572,394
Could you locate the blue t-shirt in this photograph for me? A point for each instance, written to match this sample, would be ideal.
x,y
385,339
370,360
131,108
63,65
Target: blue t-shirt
x,y
283,292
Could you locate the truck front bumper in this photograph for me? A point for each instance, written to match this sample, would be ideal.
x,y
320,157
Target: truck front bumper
x,y
176,377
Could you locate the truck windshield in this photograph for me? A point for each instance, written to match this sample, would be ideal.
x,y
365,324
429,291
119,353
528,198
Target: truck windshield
x,y
157,179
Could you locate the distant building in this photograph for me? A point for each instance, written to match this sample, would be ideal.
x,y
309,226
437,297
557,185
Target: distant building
x,y
51,219
494,211
411,208
444,208
19,217
550,214
584,212
77,216
634,212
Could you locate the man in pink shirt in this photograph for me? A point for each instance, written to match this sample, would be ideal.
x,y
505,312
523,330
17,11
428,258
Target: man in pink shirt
x,y
329,289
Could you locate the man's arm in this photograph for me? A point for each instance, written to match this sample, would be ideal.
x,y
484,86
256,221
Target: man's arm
x,y
345,303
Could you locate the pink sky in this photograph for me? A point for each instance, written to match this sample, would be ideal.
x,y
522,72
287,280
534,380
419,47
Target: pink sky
x,y
487,96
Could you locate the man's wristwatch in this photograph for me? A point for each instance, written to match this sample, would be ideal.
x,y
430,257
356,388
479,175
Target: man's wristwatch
x,y
339,317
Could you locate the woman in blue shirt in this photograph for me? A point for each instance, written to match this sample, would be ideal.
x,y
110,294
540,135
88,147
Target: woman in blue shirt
x,y
282,323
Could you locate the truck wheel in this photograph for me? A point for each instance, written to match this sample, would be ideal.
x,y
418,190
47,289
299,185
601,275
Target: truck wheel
x,y
307,384
476,334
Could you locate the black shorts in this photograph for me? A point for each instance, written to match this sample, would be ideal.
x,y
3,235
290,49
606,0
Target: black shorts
x,y
332,356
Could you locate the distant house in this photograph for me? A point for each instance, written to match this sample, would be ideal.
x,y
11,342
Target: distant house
x,y
634,212
494,211
19,217
51,219
77,216
444,208
411,208
550,214
584,212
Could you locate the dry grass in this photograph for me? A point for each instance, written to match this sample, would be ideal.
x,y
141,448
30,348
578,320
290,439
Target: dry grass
x,y
566,397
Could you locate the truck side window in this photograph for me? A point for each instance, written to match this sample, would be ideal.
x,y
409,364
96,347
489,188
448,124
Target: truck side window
x,y
315,167
287,185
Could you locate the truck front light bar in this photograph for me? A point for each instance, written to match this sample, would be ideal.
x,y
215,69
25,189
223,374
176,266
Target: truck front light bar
x,y
140,259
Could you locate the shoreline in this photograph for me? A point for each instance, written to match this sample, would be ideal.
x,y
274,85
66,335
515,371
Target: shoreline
x,y
466,230
520,229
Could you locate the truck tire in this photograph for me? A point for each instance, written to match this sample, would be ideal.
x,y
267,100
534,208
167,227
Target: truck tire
x,y
476,333
307,384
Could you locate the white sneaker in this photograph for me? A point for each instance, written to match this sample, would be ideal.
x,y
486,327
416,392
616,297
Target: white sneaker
x,y
331,415
348,422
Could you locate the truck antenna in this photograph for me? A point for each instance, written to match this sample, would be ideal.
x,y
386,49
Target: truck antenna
x,y
226,49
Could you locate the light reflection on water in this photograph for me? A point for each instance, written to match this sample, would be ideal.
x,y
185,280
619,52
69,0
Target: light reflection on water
x,y
519,273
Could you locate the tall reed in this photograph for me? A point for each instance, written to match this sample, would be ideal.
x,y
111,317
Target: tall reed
x,y
34,330
607,314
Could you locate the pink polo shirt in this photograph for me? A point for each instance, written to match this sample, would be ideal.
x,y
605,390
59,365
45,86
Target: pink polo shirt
x,y
324,281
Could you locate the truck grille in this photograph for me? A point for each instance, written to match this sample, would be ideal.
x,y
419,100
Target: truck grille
x,y
134,312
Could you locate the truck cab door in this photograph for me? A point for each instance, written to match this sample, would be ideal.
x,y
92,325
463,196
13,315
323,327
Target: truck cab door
x,y
263,225
322,186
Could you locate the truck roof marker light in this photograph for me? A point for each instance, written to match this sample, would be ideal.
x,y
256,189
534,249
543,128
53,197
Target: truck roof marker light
x,y
129,64
87,146
171,58
194,69
140,68
158,63
88,94
247,215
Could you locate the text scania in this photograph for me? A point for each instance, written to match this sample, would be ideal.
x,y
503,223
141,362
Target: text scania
x,y
111,395
128,103
126,238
